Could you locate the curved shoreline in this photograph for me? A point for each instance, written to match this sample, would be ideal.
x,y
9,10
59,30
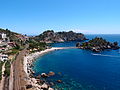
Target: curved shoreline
x,y
27,65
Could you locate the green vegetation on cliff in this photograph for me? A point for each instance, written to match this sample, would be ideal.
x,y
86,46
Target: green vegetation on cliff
x,y
37,46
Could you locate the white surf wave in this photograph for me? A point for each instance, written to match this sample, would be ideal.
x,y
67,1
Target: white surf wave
x,y
104,55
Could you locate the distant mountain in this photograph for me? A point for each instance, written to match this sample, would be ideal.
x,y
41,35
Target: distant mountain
x,y
50,36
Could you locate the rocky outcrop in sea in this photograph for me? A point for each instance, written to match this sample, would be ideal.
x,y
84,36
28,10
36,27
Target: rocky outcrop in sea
x,y
98,44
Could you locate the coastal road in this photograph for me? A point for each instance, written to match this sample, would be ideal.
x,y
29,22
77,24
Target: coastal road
x,y
18,72
11,78
3,78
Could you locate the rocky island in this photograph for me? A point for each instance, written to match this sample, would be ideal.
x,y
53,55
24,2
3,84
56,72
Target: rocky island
x,y
98,44
50,36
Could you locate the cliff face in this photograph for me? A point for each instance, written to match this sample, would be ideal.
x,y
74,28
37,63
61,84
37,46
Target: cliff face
x,y
50,36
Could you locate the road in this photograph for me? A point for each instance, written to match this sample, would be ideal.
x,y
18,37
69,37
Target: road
x,y
18,72
3,78
11,78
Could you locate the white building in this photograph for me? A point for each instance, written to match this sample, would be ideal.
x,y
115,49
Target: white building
x,y
3,57
3,36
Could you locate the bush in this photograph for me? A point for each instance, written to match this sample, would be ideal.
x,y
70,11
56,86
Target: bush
x,y
7,69
1,63
38,45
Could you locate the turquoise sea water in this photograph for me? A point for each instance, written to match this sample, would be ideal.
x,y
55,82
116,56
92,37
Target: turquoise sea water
x,y
82,69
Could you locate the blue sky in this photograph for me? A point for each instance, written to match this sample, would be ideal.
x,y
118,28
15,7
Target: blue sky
x,y
36,16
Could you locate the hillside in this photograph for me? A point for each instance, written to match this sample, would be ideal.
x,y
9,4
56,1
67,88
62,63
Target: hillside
x,y
50,36
13,36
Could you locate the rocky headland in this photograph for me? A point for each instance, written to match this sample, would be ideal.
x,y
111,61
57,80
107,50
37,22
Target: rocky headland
x,y
51,37
98,44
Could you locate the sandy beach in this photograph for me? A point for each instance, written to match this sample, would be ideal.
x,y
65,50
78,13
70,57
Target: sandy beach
x,y
28,60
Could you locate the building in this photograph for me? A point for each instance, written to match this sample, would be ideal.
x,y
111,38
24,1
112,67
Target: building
x,y
3,35
3,57
4,38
